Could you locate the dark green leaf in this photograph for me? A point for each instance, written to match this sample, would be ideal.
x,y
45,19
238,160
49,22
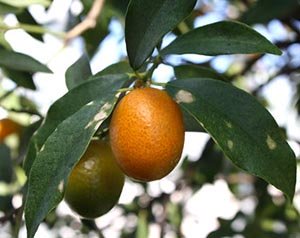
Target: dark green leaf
x,y
190,123
78,72
66,107
6,175
26,136
22,79
221,38
119,5
18,61
276,9
64,147
244,129
193,71
118,68
6,169
148,21
196,71
26,17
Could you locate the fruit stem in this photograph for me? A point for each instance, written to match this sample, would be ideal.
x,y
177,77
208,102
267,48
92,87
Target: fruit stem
x,y
156,62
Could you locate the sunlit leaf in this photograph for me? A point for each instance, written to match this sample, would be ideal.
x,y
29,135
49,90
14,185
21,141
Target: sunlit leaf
x,y
194,71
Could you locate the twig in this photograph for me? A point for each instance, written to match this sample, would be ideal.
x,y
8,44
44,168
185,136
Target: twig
x,y
89,22
9,215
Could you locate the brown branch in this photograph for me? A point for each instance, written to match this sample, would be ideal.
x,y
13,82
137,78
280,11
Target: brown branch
x,y
9,215
89,22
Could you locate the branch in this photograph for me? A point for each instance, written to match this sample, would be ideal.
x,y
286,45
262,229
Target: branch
x,y
89,22
9,215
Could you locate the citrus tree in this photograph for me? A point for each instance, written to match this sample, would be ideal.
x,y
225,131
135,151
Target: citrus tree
x,y
122,121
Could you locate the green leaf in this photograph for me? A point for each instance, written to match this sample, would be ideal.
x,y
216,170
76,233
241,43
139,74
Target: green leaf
x,y
276,9
64,147
243,128
148,21
78,72
25,17
195,71
122,67
66,106
5,9
6,176
6,168
21,62
25,3
22,79
221,38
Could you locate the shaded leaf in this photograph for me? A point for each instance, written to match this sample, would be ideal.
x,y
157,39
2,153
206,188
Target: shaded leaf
x,y
196,71
276,9
22,62
78,72
122,67
63,148
190,123
225,37
244,130
148,21
26,135
22,79
6,175
6,168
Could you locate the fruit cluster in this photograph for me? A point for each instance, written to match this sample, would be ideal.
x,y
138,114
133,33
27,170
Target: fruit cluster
x,y
146,136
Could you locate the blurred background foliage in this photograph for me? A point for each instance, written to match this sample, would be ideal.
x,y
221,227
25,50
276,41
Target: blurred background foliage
x,y
263,211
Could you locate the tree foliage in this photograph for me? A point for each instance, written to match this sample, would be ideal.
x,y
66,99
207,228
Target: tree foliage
x,y
38,161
